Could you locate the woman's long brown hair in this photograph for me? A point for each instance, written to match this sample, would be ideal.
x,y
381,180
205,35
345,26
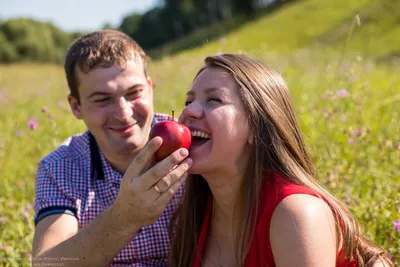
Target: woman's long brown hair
x,y
278,145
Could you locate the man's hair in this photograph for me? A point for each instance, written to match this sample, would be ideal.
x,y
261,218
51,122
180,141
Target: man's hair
x,y
100,49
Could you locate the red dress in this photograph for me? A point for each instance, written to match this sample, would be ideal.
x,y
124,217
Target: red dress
x,y
272,192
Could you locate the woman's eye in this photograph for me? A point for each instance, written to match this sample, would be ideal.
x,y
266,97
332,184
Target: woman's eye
x,y
187,102
214,100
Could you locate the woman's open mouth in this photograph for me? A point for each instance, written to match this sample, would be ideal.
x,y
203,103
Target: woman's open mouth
x,y
199,138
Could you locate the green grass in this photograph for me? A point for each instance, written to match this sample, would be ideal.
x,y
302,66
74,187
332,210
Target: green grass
x,y
354,139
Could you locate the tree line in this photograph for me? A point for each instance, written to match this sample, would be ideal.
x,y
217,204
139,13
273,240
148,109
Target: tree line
x,y
26,39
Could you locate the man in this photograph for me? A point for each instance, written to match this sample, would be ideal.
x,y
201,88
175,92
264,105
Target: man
x,y
95,202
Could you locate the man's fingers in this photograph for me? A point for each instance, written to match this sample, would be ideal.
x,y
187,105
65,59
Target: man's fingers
x,y
166,168
165,197
168,180
143,158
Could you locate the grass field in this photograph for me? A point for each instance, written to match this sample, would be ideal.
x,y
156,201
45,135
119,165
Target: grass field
x,y
344,87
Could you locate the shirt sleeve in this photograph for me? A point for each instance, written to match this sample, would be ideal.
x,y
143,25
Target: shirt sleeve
x,y
50,198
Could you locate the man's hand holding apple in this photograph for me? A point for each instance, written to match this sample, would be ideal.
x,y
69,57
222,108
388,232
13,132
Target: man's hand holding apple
x,y
145,193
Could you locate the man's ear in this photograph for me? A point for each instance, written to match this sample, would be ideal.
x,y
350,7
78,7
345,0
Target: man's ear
x,y
150,84
75,107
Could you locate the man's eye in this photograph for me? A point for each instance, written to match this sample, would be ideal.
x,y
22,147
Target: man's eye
x,y
188,102
134,94
101,100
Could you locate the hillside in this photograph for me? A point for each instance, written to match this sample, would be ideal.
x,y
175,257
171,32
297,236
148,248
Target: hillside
x,y
368,27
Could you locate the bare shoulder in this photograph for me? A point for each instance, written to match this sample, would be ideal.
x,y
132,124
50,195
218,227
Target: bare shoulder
x,y
305,226
303,206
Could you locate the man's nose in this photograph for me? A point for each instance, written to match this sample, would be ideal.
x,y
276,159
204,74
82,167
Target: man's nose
x,y
123,110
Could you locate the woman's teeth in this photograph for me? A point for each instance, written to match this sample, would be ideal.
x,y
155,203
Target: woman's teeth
x,y
200,134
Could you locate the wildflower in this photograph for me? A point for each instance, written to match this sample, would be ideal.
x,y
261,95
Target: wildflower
x,y
25,213
45,109
325,95
398,145
61,105
389,144
3,247
19,133
342,93
350,141
32,124
3,219
29,206
356,132
396,225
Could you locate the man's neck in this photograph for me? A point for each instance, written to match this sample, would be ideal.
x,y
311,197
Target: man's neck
x,y
120,164
119,161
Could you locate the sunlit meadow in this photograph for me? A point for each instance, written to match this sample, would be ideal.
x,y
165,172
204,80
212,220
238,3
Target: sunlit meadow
x,y
348,105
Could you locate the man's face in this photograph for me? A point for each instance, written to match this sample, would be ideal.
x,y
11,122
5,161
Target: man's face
x,y
116,104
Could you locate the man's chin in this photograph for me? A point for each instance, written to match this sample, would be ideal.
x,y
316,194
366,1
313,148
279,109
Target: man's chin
x,y
127,146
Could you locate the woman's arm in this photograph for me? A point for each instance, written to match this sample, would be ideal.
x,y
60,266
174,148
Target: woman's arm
x,y
302,233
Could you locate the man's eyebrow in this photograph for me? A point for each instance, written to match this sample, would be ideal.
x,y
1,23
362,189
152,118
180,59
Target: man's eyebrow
x,y
98,93
135,86
102,93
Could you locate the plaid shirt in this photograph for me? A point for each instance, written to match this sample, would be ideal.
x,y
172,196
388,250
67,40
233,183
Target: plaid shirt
x,y
68,182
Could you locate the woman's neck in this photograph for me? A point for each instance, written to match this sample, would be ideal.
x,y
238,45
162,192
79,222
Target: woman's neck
x,y
225,192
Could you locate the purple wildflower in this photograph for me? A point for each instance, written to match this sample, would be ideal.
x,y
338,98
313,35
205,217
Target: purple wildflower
x,y
32,124
396,225
342,93
350,141
398,145
356,132
25,213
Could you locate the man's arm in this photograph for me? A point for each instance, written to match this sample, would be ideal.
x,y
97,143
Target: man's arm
x,y
57,239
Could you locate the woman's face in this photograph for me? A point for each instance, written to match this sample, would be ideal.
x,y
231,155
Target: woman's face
x,y
216,116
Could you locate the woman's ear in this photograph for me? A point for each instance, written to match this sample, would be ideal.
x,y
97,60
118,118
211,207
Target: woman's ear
x,y
251,137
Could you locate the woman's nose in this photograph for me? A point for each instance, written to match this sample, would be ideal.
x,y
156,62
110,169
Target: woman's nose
x,y
193,110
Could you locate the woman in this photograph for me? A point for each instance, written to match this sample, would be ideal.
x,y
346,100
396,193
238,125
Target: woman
x,y
252,198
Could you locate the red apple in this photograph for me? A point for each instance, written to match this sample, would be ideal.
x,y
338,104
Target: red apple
x,y
174,135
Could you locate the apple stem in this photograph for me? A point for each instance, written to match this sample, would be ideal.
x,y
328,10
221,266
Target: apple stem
x,y
172,114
